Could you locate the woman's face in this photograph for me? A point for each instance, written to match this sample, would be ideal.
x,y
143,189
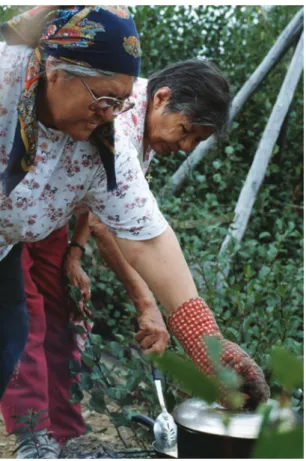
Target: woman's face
x,y
68,100
171,131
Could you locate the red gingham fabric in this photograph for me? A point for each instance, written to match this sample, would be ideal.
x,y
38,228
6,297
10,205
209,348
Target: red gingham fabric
x,y
191,322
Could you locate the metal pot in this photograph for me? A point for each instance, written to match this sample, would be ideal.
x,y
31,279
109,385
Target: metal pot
x,y
202,432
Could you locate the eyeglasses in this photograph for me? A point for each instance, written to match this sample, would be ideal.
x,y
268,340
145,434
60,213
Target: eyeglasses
x,y
104,102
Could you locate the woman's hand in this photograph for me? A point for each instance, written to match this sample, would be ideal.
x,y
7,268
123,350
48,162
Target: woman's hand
x,y
77,276
153,335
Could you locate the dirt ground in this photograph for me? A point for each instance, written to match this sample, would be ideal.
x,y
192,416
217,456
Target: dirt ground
x,y
95,420
6,443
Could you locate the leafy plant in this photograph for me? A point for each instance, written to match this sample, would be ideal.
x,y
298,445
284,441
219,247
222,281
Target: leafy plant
x,y
28,433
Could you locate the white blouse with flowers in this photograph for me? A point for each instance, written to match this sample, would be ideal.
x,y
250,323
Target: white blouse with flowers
x,y
68,176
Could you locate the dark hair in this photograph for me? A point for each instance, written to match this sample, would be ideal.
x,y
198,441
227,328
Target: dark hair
x,y
198,90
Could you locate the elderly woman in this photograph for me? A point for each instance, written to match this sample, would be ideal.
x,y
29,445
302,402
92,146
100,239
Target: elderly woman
x,y
178,108
53,152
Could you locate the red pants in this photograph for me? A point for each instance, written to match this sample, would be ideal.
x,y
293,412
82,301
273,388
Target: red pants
x,y
42,380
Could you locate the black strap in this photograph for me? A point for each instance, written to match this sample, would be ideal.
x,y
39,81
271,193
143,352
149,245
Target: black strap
x,y
78,245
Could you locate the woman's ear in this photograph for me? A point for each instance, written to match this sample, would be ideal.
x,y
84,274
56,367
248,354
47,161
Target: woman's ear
x,y
161,97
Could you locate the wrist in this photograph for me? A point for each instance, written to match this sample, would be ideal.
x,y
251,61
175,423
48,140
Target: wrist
x,y
144,304
75,250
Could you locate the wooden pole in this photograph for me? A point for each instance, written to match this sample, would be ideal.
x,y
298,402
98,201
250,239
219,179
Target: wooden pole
x,y
284,41
264,152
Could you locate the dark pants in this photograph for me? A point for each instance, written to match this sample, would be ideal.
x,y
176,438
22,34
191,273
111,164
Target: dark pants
x,y
43,379
13,315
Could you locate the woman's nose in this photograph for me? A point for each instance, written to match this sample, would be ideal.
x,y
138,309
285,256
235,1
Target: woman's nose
x,y
107,114
188,144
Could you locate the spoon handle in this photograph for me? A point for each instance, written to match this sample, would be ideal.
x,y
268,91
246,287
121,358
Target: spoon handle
x,y
156,373
158,384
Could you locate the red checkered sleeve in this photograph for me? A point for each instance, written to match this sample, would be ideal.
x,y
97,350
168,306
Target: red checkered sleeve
x,y
191,322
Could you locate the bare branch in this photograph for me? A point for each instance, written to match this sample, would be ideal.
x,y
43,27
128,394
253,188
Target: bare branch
x,y
289,35
264,152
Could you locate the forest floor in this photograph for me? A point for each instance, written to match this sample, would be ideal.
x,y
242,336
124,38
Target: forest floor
x,y
103,430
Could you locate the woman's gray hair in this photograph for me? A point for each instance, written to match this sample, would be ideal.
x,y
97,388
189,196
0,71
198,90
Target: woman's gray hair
x,y
199,90
79,70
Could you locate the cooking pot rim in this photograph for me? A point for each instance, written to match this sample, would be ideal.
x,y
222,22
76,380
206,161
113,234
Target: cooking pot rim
x,y
202,418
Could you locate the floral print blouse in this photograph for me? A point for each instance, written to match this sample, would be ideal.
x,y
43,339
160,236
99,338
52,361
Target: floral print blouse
x,y
68,176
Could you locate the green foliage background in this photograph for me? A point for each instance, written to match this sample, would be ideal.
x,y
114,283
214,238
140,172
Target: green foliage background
x,y
261,303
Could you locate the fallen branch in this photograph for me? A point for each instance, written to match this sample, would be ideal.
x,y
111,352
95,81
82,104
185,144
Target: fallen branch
x,y
289,35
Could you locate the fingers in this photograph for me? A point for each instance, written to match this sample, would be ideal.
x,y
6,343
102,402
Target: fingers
x,y
148,342
86,293
254,383
153,342
141,334
255,386
257,392
84,309
158,347
158,333
83,283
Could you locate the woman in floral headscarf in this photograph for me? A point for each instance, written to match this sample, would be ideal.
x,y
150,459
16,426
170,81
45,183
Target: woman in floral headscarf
x,y
143,236
54,101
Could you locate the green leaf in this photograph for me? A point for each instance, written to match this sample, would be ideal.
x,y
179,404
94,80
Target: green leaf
x,y
86,381
96,373
217,164
75,366
200,178
248,271
280,445
264,271
188,376
96,339
287,368
76,395
229,150
79,329
97,402
264,234
119,419
214,349
88,359
230,378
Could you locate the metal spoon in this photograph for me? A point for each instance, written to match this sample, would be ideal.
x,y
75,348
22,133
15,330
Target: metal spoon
x,y
165,429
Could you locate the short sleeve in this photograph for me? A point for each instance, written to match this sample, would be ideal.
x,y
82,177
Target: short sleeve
x,y
131,211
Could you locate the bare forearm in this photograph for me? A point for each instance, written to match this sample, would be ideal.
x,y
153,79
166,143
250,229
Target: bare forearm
x,y
81,230
161,263
81,233
135,286
138,291
152,335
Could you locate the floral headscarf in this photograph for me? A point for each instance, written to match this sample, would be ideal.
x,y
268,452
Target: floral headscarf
x,y
101,37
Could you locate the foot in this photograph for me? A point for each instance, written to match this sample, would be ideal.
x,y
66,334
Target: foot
x,y
37,445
